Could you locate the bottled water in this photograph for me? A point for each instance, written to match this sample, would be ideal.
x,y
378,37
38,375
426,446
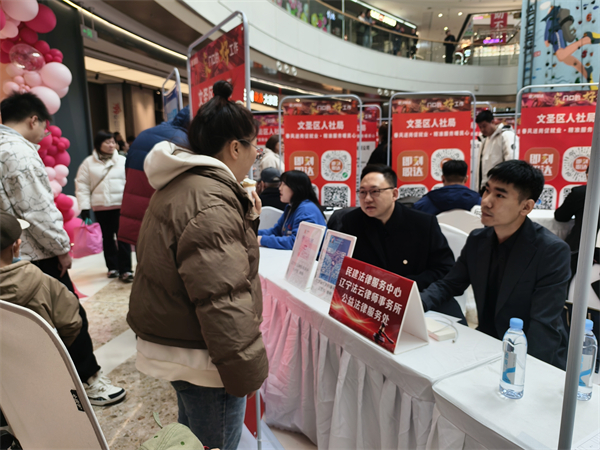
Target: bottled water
x,y
514,356
588,363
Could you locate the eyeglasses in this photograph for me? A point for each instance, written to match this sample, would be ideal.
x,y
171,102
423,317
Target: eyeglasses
x,y
250,143
362,193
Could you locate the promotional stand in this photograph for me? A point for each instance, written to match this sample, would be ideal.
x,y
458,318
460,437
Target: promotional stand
x,y
172,100
331,169
372,116
431,126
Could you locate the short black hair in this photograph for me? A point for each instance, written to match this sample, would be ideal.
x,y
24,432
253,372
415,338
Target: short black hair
x,y
485,116
454,170
387,172
18,107
272,142
527,180
383,132
100,137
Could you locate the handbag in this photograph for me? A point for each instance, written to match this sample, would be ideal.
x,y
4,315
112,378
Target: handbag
x,y
87,239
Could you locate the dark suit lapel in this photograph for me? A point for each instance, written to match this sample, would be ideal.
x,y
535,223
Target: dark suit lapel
x,y
482,268
523,251
374,240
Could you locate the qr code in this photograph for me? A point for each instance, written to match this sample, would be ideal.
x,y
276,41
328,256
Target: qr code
x,y
412,191
336,195
547,199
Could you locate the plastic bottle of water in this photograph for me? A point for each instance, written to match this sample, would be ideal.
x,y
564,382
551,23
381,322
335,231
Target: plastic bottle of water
x,y
588,363
514,356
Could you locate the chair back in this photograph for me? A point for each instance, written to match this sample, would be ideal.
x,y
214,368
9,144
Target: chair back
x,y
41,395
456,241
593,300
461,219
269,217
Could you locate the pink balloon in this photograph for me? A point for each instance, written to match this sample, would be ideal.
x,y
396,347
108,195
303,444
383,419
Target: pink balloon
x,y
51,173
62,92
56,75
52,150
6,45
32,79
42,152
64,202
13,70
62,181
56,188
48,58
2,19
63,158
46,142
68,215
75,204
54,140
70,227
61,146
61,171
56,53
65,142
4,58
26,57
42,47
28,35
44,22
49,161
10,30
56,132
10,87
48,97
19,80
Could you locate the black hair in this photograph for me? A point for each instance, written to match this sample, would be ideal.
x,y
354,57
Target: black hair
x,y
100,137
454,170
220,121
527,180
383,133
18,107
272,142
387,172
301,187
485,116
130,139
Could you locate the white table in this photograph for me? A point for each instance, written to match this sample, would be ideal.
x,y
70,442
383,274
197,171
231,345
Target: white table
x,y
471,414
340,389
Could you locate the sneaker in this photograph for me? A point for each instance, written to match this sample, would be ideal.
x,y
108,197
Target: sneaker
x,y
113,273
127,277
101,392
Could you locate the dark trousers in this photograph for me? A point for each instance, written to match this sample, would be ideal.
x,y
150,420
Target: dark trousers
x,y
117,254
81,350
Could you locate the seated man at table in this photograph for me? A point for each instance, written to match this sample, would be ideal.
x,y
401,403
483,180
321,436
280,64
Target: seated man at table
x,y
395,238
453,195
517,267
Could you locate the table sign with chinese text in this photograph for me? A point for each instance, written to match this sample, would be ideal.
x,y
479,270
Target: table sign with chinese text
x,y
335,248
555,135
425,134
382,306
321,139
222,59
306,247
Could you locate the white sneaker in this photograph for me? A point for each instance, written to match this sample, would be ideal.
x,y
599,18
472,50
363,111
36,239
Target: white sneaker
x,y
101,392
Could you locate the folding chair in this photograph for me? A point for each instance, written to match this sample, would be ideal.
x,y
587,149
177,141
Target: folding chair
x,y
269,217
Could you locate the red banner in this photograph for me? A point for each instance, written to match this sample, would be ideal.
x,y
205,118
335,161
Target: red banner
x,y
222,59
426,134
269,125
321,140
370,134
371,301
556,136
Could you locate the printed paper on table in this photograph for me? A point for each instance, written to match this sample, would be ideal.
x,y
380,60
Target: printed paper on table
x,y
304,254
335,248
382,306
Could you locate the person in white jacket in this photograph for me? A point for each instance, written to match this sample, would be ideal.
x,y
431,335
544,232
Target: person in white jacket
x,y
500,144
271,156
99,186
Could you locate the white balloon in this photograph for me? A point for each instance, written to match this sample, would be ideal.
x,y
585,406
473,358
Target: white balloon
x,y
9,31
56,188
10,87
48,96
75,203
13,70
56,75
62,92
62,181
22,10
32,79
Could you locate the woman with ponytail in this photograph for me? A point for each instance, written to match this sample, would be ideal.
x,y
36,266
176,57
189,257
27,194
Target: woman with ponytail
x,y
196,302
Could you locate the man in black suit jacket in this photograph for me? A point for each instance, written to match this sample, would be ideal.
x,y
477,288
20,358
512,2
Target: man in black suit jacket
x,y
517,268
396,238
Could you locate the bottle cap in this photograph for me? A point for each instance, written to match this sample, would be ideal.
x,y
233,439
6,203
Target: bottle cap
x,y
588,325
517,323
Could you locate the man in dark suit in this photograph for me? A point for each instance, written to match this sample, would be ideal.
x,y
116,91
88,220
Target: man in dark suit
x,y
517,268
396,238
268,188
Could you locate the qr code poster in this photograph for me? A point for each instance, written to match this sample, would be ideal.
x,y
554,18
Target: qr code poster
x,y
564,192
412,190
423,141
555,135
325,147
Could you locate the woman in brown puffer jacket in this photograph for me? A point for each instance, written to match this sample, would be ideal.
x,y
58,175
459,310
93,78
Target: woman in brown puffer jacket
x,y
196,302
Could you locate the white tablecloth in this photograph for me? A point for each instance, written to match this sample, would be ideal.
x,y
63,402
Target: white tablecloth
x,y
340,389
470,413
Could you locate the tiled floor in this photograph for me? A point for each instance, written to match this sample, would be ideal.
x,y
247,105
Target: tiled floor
x,y
128,424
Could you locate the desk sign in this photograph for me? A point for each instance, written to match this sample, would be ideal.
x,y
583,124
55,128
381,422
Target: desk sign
x,y
304,254
335,248
382,306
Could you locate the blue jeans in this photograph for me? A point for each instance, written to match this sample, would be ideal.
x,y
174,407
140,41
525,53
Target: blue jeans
x,y
213,415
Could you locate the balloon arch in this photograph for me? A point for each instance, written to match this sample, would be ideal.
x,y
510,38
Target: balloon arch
x,y
33,66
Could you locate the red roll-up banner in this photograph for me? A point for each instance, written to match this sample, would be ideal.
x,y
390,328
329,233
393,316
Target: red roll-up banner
x,y
556,136
425,134
321,139
269,125
222,59
370,128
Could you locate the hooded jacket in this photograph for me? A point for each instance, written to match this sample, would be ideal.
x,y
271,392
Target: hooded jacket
x,y
137,189
99,184
26,285
453,196
197,284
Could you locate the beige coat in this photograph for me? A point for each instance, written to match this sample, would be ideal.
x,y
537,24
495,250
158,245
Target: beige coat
x,y
500,146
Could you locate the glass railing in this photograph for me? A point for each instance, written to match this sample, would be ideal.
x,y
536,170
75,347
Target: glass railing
x,y
473,51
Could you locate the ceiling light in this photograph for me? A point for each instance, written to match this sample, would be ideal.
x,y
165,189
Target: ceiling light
x,y
445,28
460,13
440,15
